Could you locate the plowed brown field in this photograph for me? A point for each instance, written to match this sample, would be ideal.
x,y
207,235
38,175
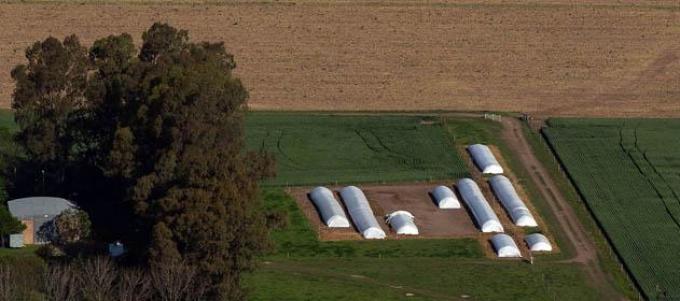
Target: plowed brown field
x,y
557,58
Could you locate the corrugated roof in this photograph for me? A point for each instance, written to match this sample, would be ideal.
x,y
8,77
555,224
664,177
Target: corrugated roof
x,y
38,206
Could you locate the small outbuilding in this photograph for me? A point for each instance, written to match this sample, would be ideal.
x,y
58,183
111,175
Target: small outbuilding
x,y
329,208
361,213
484,159
34,212
402,222
16,240
505,246
116,249
537,242
511,201
445,198
486,219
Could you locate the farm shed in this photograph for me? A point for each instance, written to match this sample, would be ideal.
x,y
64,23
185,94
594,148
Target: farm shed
x,y
361,213
537,242
16,240
445,198
484,159
116,249
505,246
330,210
402,222
512,203
34,212
484,216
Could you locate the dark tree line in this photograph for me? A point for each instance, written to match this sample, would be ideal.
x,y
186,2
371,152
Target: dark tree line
x,y
99,279
150,142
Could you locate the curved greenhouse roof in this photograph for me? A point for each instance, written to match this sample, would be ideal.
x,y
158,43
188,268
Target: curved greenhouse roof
x,y
402,222
361,213
445,198
482,212
38,206
505,246
512,203
537,242
330,210
484,159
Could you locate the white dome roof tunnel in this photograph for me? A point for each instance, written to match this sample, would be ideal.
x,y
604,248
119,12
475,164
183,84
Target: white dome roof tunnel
x,y
484,159
445,198
505,247
486,218
329,208
513,204
361,213
402,222
537,242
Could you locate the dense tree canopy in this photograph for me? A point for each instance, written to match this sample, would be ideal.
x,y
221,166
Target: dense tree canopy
x,y
150,143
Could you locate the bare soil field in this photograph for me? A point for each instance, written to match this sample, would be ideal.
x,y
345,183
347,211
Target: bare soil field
x,y
432,222
546,58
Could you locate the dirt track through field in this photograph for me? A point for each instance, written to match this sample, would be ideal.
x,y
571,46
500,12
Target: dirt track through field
x,y
557,58
584,248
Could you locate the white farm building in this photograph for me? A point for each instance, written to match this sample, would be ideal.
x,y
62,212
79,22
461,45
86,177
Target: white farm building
x,y
484,216
402,222
36,213
360,211
512,203
505,246
445,198
484,159
330,210
537,242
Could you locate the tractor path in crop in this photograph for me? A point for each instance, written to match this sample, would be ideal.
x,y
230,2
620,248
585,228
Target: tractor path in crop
x,y
585,250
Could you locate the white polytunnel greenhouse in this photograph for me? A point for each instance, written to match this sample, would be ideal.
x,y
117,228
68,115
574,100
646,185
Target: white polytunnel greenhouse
x,y
402,222
360,211
445,198
329,208
537,242
484,159
512,203
505,246
484,216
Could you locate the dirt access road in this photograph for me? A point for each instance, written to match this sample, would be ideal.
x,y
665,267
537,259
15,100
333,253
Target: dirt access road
x,y
584,248
556,57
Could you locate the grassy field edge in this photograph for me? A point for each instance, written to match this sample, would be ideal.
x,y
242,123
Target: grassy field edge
x,y
610,260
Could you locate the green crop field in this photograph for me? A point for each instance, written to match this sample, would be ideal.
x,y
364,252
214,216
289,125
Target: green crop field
x,y
7,119
322,149
374,148
628,171
303,268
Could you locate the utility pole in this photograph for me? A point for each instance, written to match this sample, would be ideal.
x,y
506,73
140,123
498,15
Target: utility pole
x,y
43,180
